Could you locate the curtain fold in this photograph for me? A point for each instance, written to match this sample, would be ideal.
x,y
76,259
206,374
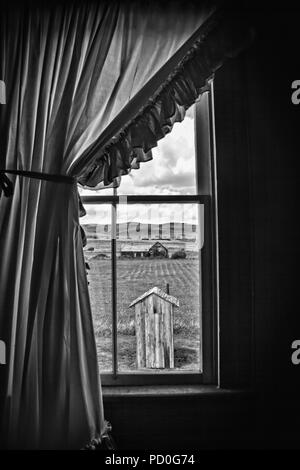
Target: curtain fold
x,y
52,391
69,70
162,102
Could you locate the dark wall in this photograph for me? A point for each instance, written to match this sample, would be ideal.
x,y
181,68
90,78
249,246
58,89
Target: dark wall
x,y
173,423
257,133
270,67
257,151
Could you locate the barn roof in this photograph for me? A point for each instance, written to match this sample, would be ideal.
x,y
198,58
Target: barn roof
x,y
160,293
135,248
158,243
141,247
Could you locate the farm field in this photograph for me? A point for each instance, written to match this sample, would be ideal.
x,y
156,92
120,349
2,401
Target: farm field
x,y
134,277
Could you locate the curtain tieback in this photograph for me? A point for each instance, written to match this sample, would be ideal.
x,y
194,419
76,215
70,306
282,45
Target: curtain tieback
x,y
7,186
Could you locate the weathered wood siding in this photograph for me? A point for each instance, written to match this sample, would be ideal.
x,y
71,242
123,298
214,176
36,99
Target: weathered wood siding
x,y
154,333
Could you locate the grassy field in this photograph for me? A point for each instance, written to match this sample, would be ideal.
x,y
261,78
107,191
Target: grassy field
x,y
136,276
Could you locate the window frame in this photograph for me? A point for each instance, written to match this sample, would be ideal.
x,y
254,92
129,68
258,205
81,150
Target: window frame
x,y
205,187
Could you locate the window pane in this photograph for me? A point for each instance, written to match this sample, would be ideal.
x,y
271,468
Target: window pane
x,y
96,225
172,170
158,245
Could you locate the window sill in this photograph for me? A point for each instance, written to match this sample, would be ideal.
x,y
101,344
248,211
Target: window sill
x,y
159,391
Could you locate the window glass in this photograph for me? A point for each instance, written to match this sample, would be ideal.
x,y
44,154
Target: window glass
x,y
172,169
158,245
170,172
97,252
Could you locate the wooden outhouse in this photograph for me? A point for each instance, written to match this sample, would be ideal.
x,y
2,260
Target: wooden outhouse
x,y
154,312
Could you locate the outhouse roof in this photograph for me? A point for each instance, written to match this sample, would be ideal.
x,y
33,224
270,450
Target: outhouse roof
x,y
160,293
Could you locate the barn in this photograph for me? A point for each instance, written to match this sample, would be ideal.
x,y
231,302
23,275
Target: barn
x,y
134,251
158,249
144,250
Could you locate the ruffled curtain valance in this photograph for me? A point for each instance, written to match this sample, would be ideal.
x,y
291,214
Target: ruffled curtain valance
x,y
218,39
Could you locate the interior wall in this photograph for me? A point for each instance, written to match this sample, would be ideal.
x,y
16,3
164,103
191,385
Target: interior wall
x,y
269,68
257,137
216,420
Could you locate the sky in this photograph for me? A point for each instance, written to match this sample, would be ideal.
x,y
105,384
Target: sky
x,y
171,172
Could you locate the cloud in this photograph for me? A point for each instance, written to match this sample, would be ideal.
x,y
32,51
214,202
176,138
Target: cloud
x,y
172,170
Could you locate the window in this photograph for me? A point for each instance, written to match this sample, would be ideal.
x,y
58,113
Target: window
x,y
150,252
